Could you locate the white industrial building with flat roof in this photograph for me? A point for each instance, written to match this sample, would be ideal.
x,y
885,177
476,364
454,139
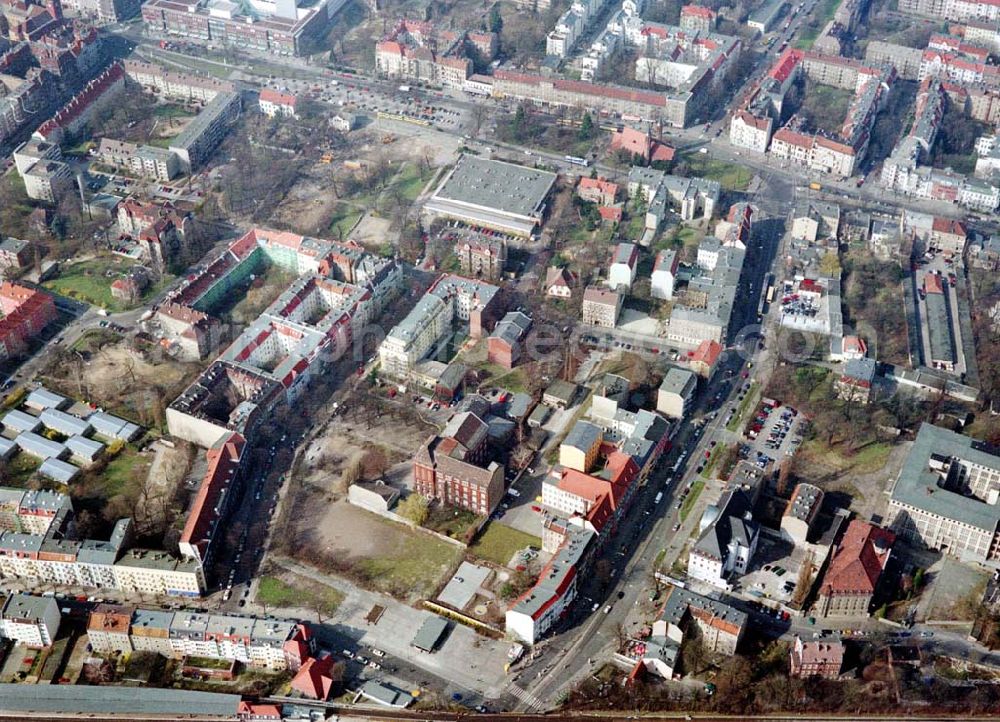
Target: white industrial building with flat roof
x,y
494,194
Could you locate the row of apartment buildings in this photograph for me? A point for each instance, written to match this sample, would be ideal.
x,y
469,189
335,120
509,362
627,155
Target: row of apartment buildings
x,y
905,170
419,51
603,461
266,643
753,125
339,291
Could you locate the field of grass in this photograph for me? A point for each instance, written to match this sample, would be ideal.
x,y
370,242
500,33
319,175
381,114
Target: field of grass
x,y
865,460
730,176
171,110
692,497
19,469
125,466
344,220
274,592
451,521
90,282
498,543
411,181
416,566
810,31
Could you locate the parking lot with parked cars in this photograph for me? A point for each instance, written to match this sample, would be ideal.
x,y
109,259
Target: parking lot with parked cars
x,y
774,433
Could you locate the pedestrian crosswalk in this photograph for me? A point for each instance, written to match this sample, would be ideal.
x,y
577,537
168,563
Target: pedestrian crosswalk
x,y
526,698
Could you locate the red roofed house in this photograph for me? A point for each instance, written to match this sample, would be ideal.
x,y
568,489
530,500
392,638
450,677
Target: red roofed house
x,y
637,143
273,103
704,358
697,18
948,235
26,311
610,213
314,679
598,190
854,347
850,581
559,283
258,712
816,659
593,501
299,647
933,283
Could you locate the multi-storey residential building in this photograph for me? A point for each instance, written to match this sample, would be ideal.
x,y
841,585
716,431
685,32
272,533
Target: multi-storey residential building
x,y
696,18
601,306
598,190
727,541
504,344
904,59
800,515
184,87
624,263
202,135
144,571
676,392
340,289
108,629
815,220
267,643
531,616
945,496
708,305
450,299
26,312
455,467
74,116
719,626
285,27
415,50
747,130
15,254
692,197
143,160
483,258
30,620
960,10
854,571
818,658
704,358
664,274
273,103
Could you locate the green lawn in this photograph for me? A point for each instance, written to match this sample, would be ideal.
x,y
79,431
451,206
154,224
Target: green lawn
x,y
822,16
344,220
411,181
90,282
19,469
414,569
274,592
731,176
498,543
692,497
171,110
120,470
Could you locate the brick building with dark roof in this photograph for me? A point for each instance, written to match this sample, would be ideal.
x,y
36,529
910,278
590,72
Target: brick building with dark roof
x,y
453,466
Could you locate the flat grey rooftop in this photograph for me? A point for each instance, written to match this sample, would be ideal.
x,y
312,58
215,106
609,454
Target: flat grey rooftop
x,y
497,185
79,701
918,485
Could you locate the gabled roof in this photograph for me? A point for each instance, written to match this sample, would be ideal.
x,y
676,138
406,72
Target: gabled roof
x,y
313,680
859,560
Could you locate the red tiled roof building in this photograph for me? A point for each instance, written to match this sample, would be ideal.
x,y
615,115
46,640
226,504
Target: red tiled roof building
x,y
850,581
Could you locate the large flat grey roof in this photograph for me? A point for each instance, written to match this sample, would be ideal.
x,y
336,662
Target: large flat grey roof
x,y
80,700
939,335
917,484
497,185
